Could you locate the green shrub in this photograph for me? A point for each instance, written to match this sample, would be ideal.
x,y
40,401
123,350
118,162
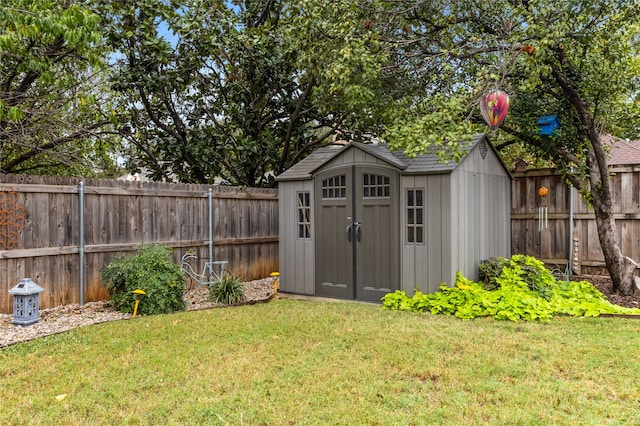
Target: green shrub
x,y
228,291
150,269
520,288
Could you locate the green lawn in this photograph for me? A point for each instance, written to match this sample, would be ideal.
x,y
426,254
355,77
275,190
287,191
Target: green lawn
x,y
293,362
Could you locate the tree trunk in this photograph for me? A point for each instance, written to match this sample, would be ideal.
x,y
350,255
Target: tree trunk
x,y
621,268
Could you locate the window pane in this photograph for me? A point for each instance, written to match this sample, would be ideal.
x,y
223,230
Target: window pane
x,y
410,219
410,198
419,197
419,216
410,234
419,235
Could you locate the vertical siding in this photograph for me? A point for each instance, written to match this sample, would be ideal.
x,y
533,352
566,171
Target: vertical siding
x,y
467,220
435,203
425,265
480,189
297,257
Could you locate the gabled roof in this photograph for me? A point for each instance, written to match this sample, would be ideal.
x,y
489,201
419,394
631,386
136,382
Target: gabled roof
x,y
427,163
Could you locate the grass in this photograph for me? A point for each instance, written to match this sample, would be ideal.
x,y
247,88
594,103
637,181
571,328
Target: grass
x,y
306,363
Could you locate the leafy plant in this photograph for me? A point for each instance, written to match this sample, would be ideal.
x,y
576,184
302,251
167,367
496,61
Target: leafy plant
x,y
520,288
228,291
150,269
490,269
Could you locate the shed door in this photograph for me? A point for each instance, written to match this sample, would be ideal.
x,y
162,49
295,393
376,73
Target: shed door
x,y
357,250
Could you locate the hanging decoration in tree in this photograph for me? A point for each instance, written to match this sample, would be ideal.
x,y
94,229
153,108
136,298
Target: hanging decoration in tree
x,y
494,107
543,209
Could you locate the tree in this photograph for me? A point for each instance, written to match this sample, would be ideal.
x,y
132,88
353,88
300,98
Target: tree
x,y
576,58
50,120
240,91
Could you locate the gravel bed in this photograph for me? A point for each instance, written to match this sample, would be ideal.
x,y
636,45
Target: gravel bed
x,y
67,317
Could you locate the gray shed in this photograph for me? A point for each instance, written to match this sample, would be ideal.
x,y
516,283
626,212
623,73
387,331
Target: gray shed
x,y
358,221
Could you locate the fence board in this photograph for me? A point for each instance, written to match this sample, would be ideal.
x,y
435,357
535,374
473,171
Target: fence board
x,y
119,216
552,245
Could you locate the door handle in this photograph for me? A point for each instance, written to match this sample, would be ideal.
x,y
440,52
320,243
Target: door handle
x,y
358,225
349,232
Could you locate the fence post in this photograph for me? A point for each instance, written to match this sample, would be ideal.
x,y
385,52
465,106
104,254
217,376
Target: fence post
x,y
81,239
210,197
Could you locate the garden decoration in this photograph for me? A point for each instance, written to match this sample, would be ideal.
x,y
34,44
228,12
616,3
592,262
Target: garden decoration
x,y
13,217
548,125
276,280
494,108
26,302
137,295
213,271
543,210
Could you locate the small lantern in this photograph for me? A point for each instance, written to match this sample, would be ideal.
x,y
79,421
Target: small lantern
x,y
26,302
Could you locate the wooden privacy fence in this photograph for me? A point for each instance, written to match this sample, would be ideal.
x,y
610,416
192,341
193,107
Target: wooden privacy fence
x,y
44,236
559,239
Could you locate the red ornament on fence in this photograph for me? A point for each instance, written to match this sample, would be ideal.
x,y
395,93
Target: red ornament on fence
x,y
494,108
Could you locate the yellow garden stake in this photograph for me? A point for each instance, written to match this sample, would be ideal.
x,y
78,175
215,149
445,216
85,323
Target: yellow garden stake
x,y
276,283
137,294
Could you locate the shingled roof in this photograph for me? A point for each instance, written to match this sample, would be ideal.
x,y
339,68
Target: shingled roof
x,y
427,163
623,152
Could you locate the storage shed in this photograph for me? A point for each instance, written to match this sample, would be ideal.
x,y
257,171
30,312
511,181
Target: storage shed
x,y
358,221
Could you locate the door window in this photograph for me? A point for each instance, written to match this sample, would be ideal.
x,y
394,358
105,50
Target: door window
x,y
334,187
375,186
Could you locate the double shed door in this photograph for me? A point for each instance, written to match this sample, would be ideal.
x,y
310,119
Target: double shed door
x,y
357,243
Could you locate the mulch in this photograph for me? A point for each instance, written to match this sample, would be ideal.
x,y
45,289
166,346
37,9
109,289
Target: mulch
x,y
604,285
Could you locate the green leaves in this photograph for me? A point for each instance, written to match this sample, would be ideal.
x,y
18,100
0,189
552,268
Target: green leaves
x,y
50,56
150,269
227,97
515,289
228,291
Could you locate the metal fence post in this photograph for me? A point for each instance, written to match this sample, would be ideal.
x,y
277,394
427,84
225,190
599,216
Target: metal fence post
x,y
81,239
210,196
